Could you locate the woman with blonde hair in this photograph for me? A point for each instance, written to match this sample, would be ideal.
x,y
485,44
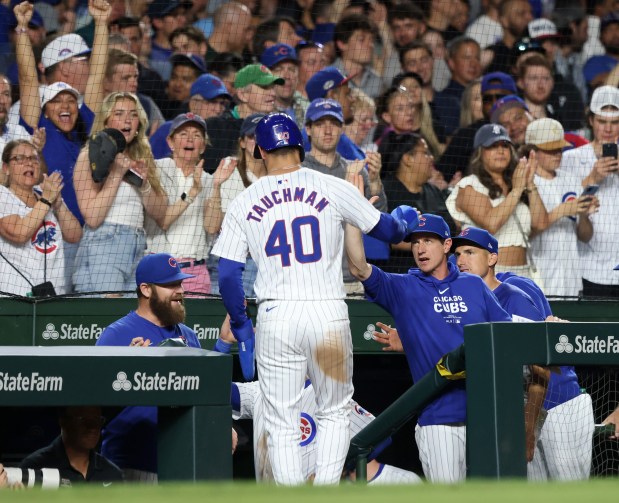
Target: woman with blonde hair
x,y
364,121
113,209
471,110
248,170
500,196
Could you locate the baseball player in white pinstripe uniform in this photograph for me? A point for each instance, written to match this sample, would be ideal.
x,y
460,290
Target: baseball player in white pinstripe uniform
x,y
292,223
247,403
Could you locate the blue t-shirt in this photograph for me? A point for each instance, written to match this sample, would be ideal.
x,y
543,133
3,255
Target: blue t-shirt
x,y
516,302
130,439
561,387
430,315
158,143
528,286
60,153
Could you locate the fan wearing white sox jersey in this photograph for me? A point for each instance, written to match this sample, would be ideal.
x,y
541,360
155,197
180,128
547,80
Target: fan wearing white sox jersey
x,y
292,224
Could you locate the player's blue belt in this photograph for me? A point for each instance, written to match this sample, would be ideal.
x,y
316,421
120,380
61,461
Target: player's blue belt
x,y
182,265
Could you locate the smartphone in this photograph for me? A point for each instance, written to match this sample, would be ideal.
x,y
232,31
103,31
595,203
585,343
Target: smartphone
x,y
610,150
133,178
590,190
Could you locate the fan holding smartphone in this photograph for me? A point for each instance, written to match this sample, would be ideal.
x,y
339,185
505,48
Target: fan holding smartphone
x,y
555,250
598,164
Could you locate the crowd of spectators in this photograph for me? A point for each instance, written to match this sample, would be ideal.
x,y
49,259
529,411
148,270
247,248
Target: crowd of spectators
x,y
490,113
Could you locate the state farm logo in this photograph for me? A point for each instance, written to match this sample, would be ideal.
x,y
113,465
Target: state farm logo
x,y
564,345
68,331
369,331
142,381
121,382
583,344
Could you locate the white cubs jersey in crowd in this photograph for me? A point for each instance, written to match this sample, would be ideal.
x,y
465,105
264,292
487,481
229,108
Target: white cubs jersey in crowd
x,y
293,227
251,408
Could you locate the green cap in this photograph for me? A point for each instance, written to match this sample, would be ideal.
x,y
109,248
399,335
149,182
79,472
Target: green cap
x,y
256,74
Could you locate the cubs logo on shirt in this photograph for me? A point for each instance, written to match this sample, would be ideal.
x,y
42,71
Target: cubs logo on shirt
x,y
308,429
569,196
44,239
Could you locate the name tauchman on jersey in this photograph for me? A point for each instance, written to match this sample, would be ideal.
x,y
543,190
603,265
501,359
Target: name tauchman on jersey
x,y
287,195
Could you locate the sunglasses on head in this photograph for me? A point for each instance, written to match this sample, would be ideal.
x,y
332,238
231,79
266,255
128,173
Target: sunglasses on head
x,y
491,98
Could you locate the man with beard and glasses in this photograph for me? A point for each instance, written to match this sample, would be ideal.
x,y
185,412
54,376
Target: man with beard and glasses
x,y
130,439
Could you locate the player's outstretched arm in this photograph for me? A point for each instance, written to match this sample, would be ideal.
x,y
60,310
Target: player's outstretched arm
x,y
357,263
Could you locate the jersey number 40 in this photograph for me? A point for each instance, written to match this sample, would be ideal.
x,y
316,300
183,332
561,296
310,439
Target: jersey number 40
x,y
301,228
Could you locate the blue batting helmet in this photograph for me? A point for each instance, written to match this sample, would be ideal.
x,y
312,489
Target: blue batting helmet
x,y
278,130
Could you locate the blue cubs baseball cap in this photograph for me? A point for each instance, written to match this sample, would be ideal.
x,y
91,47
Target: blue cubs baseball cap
x,y
504,104
182,119
616,268
477,237
432,224
160,269
323,81
209,87
498,80
277,53
489,134
322,107
189,60
248,127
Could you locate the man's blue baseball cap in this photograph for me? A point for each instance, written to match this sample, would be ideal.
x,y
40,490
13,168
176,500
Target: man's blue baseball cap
x,y
277,53
432,224
498,81
159,269
323,81
504,104
322,107
209,87
477,237
189,60
616,268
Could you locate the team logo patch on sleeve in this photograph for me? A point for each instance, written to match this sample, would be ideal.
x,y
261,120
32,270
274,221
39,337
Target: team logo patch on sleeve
x,y
308,429
362,412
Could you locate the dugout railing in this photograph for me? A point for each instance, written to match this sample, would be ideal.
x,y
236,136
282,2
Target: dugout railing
x,y
495,354
191,388
493,357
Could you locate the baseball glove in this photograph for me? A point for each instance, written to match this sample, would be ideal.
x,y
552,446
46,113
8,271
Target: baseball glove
x,y
102,149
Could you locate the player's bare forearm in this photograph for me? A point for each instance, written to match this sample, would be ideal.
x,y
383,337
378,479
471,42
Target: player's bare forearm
x,y
357,263
613,418
536,393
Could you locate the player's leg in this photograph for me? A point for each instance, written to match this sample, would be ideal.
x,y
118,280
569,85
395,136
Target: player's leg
x,y
388,474
567,438
330,370
442,451
282,367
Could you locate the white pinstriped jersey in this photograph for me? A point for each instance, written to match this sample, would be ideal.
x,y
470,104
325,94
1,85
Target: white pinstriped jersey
x,y
293,227
251,408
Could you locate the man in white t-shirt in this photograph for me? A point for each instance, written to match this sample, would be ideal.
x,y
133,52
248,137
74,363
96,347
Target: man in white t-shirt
x,y
599,255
